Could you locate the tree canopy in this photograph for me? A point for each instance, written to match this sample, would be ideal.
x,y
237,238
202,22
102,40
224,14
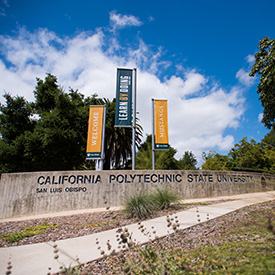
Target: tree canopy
x,y
214,161
51,133
265,67
188,161
164,160
118,141
244,156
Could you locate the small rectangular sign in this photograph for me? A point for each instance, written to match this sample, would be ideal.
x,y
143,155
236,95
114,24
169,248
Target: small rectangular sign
x,y
95,129
161,125
123,115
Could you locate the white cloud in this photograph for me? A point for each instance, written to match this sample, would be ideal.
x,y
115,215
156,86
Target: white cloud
x,y
119,21
260,117
151,18
244,78
243,75
3,6
199,111
250,59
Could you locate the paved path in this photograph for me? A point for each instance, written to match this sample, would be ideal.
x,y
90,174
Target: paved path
x,y
36,259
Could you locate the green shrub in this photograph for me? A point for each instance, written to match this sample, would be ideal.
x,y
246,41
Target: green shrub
x,y
163,197
140,205
26,232
143,204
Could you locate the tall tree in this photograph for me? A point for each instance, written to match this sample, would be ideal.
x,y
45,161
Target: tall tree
x,y
214,161
144,155
188,161
46,93
56,139
250,156
15,117
265,67
244,156
164,159
269,138
118,140
15,124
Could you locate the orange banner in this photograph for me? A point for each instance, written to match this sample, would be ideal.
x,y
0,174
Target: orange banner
x,y
95,126
161,125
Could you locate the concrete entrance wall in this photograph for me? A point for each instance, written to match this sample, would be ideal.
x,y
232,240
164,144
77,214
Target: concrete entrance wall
x,y
23,194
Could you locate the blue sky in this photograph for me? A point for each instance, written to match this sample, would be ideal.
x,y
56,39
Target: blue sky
x,y
196,54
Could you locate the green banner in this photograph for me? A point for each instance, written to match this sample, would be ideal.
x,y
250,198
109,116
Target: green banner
x,y
95,155
160,146
123,117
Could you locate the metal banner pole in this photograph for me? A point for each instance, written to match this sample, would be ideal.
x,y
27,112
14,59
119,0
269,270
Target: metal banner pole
x,y
153,135
134,122
101,161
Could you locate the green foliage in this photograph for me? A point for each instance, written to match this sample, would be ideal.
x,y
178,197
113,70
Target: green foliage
x,y
231,258
269,139
214,161
118,140
46,94
59,140
244,156
51,133
249,156
188,161
8,153
140,205
15,124
144,156
163,197
149,261
26,232
15,118
265,67
144,203
164,160
94,224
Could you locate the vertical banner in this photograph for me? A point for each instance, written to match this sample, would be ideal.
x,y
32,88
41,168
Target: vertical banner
x,y
123,116
161,125
95,132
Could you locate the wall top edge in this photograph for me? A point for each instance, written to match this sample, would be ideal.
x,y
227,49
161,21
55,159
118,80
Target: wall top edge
x,y
136,171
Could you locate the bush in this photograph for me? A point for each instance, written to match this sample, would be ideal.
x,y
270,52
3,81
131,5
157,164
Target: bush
x,y
143,204
163,197
140,205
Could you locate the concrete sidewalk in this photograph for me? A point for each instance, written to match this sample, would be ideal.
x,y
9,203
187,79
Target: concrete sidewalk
x,y
38,258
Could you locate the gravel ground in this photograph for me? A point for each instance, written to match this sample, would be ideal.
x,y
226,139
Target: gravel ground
x,y
77,225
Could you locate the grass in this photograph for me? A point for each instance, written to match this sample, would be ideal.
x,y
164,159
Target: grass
x,y
143,204
26,232
140,205
94,224
242,257
163,197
